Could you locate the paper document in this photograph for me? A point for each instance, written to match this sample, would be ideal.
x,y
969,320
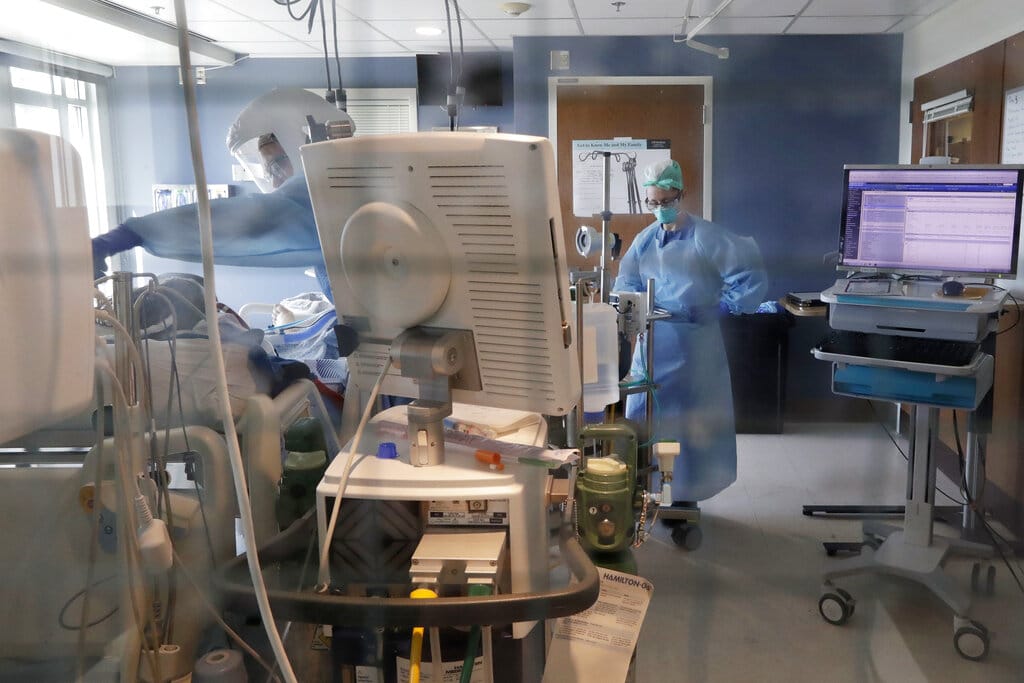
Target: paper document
x,y
597,644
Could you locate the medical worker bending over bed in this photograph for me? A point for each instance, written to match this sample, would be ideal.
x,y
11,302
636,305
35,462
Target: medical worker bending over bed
x,y
273,229
700,271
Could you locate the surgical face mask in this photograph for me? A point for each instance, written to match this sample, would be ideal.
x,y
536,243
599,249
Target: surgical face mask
x,y
666,214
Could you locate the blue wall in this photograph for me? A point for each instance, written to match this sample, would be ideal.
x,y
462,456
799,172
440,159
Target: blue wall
x,y
151,139
788,112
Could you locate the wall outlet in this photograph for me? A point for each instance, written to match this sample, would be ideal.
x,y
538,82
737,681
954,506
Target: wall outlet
x,y
200,78
559,60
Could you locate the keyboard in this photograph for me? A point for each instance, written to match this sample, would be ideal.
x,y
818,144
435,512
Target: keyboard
x,y
903,349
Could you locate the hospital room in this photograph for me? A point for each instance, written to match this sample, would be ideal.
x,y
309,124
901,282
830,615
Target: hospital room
x,y
394,341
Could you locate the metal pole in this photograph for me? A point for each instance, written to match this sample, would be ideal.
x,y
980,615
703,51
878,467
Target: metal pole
x,y
606,219
574,420
649,341
123,310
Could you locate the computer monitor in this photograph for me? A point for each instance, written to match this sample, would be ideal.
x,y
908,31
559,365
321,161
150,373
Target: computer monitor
x,y
931,220
450,232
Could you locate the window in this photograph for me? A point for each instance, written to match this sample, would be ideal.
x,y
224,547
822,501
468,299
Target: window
x,y
68,107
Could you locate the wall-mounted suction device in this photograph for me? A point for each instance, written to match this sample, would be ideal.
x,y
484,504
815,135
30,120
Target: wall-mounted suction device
x,y
588,242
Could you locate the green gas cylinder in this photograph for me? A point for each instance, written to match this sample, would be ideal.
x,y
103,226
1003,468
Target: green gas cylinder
x,y
605,486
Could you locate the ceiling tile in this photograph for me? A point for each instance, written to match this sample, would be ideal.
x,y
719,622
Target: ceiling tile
x,y
239,31
541,9
428,10
633,9
750,8
430,46
630,27
403,30
267,10
294,48
845,8
907,23
844,25
195,10
745,25
347,30
367,47
52,28
503,29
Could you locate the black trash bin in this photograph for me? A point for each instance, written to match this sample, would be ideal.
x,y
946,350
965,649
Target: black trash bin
x,y
756,346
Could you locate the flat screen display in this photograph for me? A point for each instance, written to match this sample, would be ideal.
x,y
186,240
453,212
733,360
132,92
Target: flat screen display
x,y
945,220
481,77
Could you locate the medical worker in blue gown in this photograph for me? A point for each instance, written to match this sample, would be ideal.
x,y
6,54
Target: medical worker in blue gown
x,y
273,229
701,271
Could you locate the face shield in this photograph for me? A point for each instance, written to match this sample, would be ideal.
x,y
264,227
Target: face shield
x,y
266,136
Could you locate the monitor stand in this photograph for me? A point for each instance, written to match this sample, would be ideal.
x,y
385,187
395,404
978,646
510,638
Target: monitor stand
x,y
913,552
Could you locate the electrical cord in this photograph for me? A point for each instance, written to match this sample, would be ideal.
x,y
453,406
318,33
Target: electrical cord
x,y
100,438
81,626
309,14
997,540
223,398
325,567
208,605
885,429
337,57
129,521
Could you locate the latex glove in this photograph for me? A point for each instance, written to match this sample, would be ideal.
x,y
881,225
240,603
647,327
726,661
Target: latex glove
x,y
106,245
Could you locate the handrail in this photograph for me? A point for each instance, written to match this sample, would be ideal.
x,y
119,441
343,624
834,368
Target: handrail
x,y
310,607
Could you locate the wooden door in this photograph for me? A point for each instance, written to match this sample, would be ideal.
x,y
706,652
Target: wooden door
x,y
644,111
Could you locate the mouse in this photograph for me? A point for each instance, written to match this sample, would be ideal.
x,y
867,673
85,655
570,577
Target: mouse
x,y
952,288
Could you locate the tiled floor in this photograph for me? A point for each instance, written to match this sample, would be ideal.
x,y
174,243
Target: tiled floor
x,y
743,607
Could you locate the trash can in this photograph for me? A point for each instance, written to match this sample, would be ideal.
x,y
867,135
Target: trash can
x,y
756,346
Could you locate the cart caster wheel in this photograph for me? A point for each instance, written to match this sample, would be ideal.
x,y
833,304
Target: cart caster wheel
x,y
687,536
971,641
836,607
983,583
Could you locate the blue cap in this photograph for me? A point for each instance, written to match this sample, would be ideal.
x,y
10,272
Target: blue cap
x,y
387,450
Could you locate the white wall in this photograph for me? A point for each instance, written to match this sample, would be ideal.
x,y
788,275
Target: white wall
x,y
954,32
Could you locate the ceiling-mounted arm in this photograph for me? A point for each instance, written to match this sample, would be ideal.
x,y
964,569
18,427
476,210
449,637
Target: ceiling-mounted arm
x,y
687,38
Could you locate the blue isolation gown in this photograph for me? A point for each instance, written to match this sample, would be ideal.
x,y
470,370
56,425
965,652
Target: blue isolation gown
x,y
698,270
276,230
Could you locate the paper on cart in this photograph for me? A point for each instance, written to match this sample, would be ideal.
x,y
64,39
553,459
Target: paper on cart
x,y
597,644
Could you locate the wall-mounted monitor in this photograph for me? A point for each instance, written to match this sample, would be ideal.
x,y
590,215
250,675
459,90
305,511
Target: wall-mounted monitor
x,y
481,77
931,220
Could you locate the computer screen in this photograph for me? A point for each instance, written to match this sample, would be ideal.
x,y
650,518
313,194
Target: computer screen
x,y
941,220
450,231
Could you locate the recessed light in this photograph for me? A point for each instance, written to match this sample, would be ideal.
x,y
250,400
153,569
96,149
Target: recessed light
x,y
428,31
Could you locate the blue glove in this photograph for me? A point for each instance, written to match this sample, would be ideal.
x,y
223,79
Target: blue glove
x,y
106,245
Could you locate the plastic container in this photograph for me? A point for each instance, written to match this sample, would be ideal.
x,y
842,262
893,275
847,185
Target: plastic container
x,y
600,357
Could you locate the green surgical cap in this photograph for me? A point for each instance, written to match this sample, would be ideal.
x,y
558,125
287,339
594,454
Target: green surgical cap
x,y
665,174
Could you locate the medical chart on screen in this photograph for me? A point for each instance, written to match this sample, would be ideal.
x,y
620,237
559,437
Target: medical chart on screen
x,y
629,159
597,644
1013,127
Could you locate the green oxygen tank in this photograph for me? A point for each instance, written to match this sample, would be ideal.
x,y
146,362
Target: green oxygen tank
x,y
605,497
304,467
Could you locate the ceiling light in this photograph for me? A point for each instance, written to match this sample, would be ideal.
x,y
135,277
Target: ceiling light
x,y
428,31
146,26
514,9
